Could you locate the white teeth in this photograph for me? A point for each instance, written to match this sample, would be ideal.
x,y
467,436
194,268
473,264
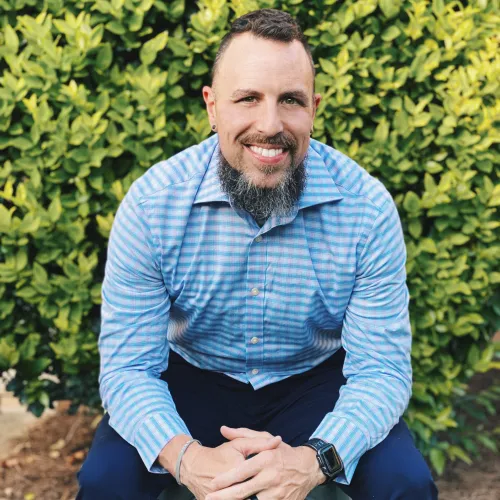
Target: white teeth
x,y
266,152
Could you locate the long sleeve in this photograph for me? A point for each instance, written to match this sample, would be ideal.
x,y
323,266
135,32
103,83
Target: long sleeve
x,y
133,341
376,335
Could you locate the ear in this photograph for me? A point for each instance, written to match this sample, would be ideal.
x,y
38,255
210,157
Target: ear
x,y
316,101
209,98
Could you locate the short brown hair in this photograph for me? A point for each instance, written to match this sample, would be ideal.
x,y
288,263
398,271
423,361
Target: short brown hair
x,y
270,24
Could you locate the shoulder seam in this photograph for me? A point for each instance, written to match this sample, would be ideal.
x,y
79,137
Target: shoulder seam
x,y
144,198
379,209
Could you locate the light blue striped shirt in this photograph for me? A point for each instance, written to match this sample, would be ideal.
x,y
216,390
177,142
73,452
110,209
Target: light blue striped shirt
x,y
188,272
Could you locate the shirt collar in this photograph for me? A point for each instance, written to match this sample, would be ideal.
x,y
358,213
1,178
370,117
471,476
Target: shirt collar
x,y
320,187
210,188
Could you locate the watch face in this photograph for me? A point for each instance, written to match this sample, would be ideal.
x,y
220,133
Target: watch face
x,y
332,461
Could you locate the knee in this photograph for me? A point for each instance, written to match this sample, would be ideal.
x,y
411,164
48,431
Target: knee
x,y
93,479
413,484
396,481
104,479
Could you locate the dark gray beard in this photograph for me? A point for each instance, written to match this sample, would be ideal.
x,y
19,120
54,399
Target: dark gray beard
x,y
263,202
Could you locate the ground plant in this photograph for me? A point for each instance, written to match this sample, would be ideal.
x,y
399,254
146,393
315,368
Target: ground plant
x,y
94,92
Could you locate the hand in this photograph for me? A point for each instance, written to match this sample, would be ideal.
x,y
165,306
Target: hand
x,y
282,472
201,464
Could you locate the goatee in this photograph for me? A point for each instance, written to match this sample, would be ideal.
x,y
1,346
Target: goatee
x,y
263,202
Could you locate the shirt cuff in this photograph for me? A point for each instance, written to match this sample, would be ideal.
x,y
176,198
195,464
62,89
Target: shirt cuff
x,y
153,434
349,441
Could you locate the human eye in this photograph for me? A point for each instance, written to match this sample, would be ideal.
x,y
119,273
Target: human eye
x,y
293,101
248,98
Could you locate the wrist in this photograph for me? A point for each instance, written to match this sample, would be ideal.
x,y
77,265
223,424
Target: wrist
x,y
312,466
188,465
170,452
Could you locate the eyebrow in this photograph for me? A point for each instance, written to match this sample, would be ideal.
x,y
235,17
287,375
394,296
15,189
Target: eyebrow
x,y
300,95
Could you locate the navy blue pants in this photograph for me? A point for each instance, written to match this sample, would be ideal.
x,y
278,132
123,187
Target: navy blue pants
x,y
292,408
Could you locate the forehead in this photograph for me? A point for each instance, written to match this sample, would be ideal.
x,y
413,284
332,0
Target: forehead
x,y
250,62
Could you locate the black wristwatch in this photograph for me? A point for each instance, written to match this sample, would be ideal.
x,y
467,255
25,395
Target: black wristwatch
x,y
328,458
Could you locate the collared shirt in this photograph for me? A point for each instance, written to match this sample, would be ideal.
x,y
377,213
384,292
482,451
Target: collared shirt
x,y
186,271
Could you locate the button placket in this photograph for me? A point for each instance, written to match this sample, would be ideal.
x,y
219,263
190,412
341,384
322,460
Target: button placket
x,y
256,268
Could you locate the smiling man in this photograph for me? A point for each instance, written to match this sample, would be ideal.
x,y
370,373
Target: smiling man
x,y
255,339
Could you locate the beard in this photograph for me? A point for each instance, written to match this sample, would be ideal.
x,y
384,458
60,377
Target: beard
x,y
264,202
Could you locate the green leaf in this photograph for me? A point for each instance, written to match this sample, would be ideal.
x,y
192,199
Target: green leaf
x,y
390,8
381,132
391,33
104,57
176,92
422,119
9,356
487,442
116,27
5,219
459,239
428,245
368,100
44,399
328,67
151,48
27,349
456,451
55,209
415,228
30,224
39,273
438,460
495,197
21,143
411,202
11,39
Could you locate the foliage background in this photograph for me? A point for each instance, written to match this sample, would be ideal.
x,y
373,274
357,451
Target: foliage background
x,y
93,92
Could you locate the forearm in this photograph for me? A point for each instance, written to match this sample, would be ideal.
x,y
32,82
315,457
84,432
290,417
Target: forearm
x,y
142,411
368,408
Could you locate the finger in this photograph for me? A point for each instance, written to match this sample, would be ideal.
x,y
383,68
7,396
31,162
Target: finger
x,y
241,473
239,491
248,446
242,432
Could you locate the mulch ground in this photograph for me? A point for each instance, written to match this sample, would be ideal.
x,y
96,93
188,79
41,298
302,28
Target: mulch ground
x,y
43,465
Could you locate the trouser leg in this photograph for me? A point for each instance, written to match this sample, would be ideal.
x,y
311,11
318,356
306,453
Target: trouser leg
x,y
392,470
114,470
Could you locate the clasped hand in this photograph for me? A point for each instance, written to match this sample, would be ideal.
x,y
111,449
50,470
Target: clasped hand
x,y
277,471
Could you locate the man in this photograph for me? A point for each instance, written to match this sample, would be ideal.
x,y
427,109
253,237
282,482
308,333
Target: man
x,y
243,276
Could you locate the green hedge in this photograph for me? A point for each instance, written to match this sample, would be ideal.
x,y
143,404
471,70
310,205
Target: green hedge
x,y
92,93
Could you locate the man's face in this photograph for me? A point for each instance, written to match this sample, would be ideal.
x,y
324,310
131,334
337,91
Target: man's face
x,y
263,105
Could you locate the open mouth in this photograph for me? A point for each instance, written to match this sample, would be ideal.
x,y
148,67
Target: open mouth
x,y
270,155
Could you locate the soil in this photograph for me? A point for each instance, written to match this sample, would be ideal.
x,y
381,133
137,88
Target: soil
x,y
43,464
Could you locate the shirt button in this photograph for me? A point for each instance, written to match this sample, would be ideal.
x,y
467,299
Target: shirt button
x,y
254,340
258,239
255,371
255,292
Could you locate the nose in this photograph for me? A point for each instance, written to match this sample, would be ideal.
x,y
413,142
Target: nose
x,y
269,121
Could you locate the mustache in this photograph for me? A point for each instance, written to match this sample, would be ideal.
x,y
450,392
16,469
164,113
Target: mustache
x,y
280,139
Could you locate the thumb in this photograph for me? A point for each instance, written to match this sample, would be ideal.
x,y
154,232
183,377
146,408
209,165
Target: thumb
x,y
250,446
231,433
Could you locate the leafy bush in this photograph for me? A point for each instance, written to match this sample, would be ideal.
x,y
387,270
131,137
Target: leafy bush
x,y
92,93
